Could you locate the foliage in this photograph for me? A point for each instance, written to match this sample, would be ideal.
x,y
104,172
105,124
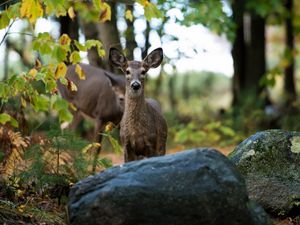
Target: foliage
x,y
62,158
60,51
210,134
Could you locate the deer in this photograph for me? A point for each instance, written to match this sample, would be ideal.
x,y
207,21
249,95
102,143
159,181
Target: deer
x,y
143,129
99,97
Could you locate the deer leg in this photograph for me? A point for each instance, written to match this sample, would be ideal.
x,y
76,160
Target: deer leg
x,y
99,128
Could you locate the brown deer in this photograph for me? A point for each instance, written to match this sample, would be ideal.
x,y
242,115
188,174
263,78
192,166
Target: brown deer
x,y
100,97
143,129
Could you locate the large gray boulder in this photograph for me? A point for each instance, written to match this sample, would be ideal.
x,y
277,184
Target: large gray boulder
x,y
194,187
270,163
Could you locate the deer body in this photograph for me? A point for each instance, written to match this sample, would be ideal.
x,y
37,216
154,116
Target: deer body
x,y
100,96
143,129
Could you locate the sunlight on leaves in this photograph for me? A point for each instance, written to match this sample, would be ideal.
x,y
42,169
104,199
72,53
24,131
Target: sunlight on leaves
x,y
128,15
31,9
61,70
105,13
71,13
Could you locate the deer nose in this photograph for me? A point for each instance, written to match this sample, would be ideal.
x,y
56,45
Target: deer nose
x,y
135,85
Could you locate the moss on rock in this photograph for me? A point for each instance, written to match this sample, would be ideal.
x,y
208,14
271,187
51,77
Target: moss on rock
x,y
270,161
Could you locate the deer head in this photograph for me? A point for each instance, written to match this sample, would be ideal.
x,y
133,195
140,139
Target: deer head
x,y
135,71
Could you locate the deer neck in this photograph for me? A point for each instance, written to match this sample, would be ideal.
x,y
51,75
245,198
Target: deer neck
x,y
134,105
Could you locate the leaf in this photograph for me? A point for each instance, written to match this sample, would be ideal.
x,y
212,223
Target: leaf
x,y
23,102
13,11
71,13
32,73
40,103
151,11
4,118
31,9
105,163
128,15
80,46
4,20
65,115
71,86
115,144
90,146
59,53
75,57
97,4
38,64
80,72
64,40
60,71
60,104
105,13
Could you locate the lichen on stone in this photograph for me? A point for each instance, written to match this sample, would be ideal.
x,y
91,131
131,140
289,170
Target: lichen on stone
x,y
295,147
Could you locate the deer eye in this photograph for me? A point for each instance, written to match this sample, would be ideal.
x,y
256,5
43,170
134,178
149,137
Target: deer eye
x,y
143,72
127,72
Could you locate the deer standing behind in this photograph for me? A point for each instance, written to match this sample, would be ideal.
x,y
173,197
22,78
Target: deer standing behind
x,y
143,129
100,97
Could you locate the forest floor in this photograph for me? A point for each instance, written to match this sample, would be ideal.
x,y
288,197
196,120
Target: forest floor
x,y
43,210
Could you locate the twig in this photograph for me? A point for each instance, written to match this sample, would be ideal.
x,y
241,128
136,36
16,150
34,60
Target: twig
x,y
6,32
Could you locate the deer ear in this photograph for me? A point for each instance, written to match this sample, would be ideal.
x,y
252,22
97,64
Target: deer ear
x,y
117,58
154,59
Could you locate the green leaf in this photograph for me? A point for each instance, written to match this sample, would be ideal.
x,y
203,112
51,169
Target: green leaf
x,y
4,20
13,11
41,103
60,104
65,115
75,57
105,163
80,46
4,118
115,144
59,54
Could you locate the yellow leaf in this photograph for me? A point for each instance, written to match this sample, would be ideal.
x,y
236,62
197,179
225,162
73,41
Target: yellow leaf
x,y
64,39
105,12
72,106
31,9
73,87
23,102
109,126
71,13
80,72
38,64
32,72
128,15
61,70
90,146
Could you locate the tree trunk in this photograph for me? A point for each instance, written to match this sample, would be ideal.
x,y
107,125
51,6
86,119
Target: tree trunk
x,y
289,78
109,35
69,26
248,56
130,35
255,58
238,51
91,32
147,42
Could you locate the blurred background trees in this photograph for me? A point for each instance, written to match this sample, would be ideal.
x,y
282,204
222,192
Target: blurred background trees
x,y
261,92
231,68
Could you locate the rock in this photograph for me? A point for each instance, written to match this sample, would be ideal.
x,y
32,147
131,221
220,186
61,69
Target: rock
x,y
270,163
193,187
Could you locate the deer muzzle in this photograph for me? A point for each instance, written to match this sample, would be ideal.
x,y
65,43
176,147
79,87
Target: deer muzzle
x,y
135,85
